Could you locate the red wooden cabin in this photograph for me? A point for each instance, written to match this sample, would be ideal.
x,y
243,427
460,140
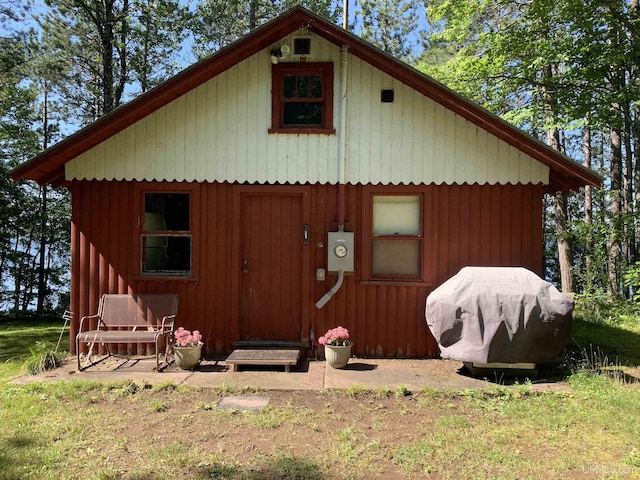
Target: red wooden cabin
x,y
223,183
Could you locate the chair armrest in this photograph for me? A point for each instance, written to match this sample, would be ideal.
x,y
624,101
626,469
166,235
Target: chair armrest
x,y
167,323
87,317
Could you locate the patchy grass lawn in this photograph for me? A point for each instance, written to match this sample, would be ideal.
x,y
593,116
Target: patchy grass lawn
x,y
80,430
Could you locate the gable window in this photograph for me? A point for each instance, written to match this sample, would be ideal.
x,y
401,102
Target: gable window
x,y
396,237
302,98
166,234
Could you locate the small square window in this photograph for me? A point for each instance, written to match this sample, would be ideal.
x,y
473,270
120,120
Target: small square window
x,y
301,46
302,98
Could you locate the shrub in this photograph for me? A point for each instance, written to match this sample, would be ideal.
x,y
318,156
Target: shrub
x,y
43,358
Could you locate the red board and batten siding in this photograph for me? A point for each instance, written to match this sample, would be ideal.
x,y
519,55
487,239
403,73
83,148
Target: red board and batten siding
x,y
497,225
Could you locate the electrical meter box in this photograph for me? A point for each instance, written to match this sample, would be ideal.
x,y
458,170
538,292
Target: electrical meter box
x,y
340,252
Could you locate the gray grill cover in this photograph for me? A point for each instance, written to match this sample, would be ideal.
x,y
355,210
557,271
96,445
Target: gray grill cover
x,y
499,314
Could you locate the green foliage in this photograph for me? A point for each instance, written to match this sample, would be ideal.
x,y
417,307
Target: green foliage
x,y
159,32
631,278
605,333
19,335
43,358
402,391
601,309
216,24
545,65
388,24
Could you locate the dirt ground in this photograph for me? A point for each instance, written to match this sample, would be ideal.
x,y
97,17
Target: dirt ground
x,y
326,428
313,434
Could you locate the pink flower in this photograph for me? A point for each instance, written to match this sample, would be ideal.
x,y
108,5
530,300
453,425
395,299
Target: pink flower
x,y
184,338
335,336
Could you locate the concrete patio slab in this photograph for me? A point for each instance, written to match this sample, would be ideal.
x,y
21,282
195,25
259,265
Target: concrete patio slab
x,y
412,374
372,374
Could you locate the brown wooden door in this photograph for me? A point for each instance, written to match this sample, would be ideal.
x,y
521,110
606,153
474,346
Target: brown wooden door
x,y
272,243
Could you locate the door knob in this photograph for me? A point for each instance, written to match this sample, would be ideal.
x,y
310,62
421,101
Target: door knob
x,y
245,266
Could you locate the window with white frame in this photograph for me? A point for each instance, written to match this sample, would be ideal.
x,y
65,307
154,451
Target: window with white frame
x,y
396,237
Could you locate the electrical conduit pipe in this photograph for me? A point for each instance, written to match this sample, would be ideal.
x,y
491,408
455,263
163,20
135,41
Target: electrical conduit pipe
x,y
327,296
342,160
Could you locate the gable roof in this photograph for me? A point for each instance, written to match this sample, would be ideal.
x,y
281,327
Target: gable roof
x,y
48,166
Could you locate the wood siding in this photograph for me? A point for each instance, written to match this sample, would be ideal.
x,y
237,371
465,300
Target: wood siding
x,y
465,225
416,140
219,132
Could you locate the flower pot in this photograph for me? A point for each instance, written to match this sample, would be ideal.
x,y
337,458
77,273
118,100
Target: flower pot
x,y
337,356
187,358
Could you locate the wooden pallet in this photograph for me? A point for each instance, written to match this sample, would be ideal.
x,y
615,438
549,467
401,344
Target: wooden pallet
x,y
497,368
286,357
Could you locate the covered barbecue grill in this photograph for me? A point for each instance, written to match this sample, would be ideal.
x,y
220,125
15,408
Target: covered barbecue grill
x,y
499,315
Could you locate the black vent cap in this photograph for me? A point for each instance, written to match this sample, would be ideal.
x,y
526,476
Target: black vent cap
x,y
386,96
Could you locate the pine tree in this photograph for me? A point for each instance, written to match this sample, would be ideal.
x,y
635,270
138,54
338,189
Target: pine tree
x,y
389,24
217,23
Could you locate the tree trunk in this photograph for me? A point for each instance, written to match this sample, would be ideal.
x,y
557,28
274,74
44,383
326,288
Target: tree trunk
x,y
106,36
636,180
615,249
565,254
253,14
588,211
121,47
629,222
42,286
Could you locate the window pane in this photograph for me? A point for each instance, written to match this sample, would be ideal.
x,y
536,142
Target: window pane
x,y
303,86
303,113
289,86
166,211
396,215
316,86
166,254
392,257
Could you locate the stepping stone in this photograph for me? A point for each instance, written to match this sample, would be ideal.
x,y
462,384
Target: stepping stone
x,y
252,404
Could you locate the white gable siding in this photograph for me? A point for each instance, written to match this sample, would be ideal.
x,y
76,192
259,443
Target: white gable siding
x,y
416,140
218,132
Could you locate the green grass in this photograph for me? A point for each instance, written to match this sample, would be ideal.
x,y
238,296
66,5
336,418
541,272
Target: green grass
x,y
613,328
19,338
128,430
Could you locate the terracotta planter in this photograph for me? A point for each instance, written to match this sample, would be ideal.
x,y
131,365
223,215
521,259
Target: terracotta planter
x,y
337,356
187,358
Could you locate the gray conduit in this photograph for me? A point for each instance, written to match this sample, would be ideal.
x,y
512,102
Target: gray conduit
x,y
327,296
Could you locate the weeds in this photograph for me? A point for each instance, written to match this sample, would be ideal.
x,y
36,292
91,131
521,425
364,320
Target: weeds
x,y
43,358
356,390
158,405
402,391
593,361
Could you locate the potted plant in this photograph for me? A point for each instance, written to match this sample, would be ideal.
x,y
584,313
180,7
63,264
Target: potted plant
x,y
337,347
187,348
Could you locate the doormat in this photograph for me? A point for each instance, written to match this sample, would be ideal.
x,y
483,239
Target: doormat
x,y
252,404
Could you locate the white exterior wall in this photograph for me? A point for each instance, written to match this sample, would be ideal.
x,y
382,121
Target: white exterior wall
x,y
218,132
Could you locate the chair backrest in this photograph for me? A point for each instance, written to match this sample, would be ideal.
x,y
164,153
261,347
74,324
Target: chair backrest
x,y
142,310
